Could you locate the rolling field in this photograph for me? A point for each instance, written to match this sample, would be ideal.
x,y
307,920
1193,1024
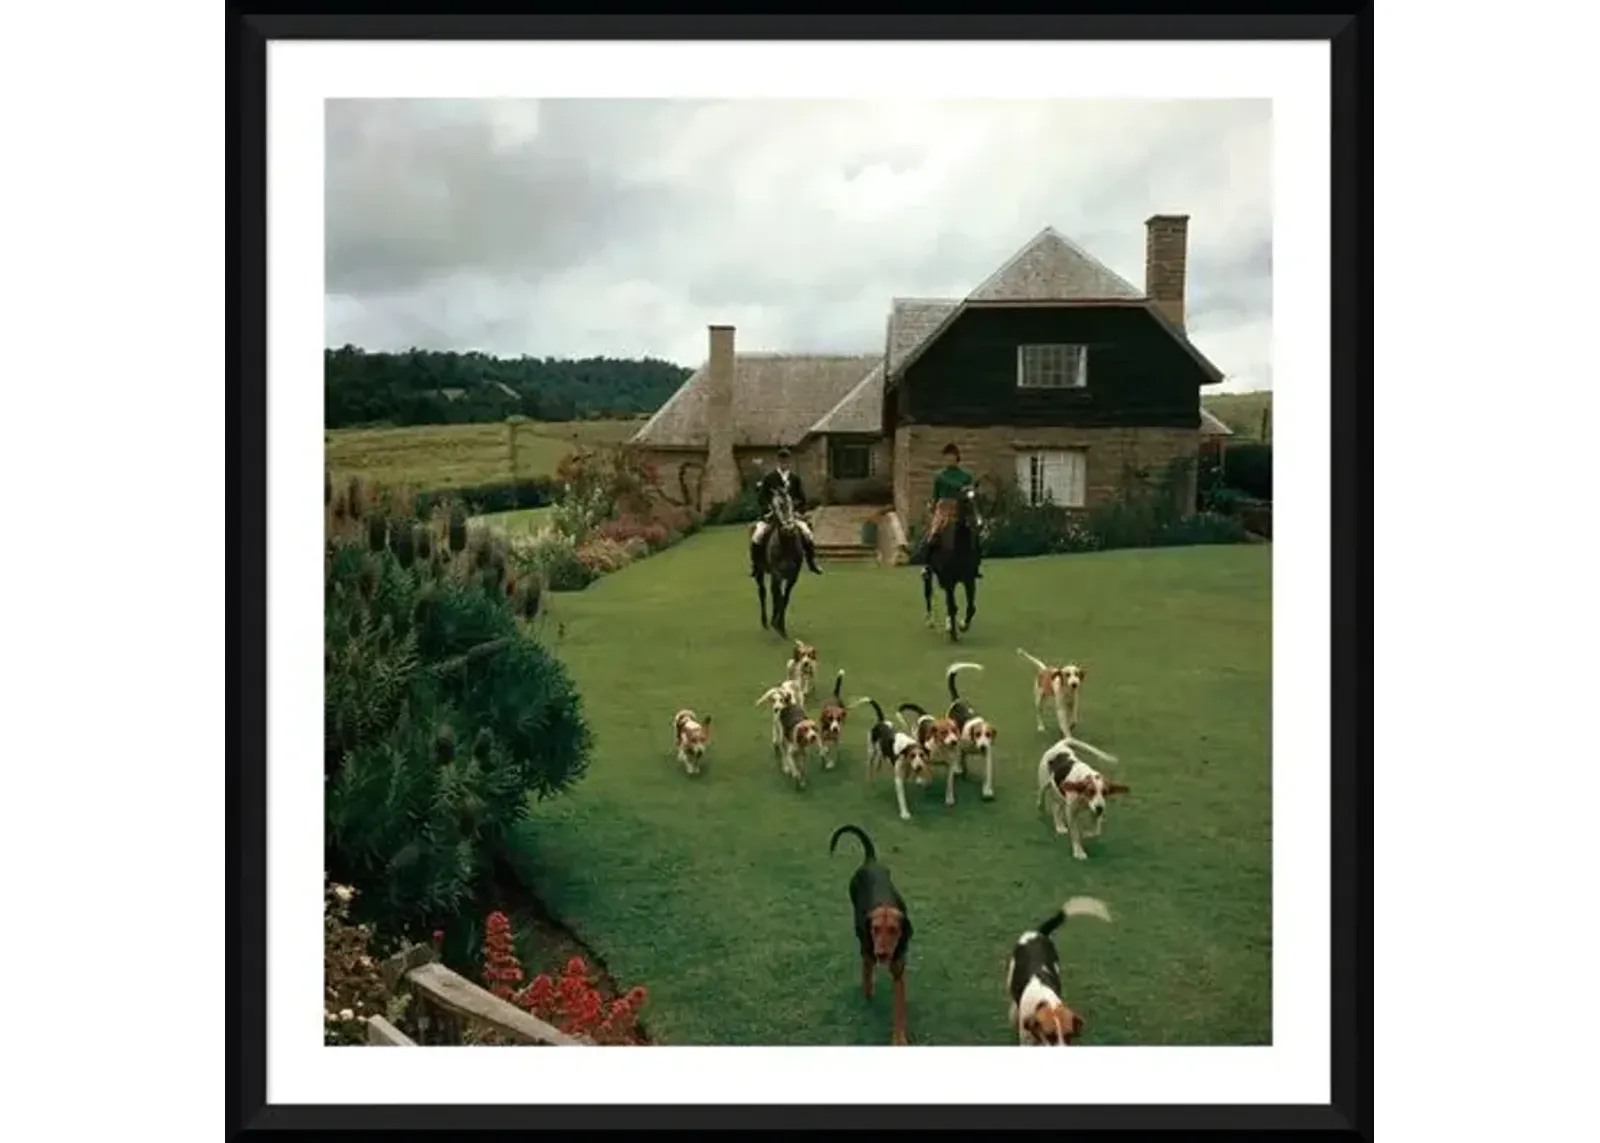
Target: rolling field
x,y
449,456
1241,412
718,893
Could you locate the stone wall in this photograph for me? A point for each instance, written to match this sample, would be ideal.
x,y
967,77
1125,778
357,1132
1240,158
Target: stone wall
x,y
990,454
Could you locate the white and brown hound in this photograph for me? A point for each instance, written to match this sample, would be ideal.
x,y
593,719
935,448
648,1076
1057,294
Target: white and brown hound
x,y
977,733
887,743
830,723
794,735
691,734
940,739
1060,688
1033,980
801,669
1072,786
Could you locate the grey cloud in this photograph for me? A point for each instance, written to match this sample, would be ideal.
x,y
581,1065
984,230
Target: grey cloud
x,y
625,226
418,189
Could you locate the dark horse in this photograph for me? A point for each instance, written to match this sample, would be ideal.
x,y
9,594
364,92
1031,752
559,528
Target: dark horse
x,y
953,557
781,557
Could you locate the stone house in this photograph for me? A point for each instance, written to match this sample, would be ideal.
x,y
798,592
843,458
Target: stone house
x,y
1054,372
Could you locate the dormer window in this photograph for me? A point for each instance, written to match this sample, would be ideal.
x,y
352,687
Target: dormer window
x,y
1052,366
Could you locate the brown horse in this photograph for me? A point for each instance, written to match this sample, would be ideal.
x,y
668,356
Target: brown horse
x,y
781,557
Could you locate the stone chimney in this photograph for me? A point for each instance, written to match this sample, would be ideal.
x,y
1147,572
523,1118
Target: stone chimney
x,y
1166,259
721,479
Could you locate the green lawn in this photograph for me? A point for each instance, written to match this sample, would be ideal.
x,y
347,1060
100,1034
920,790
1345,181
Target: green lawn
x,y
718,893
518,520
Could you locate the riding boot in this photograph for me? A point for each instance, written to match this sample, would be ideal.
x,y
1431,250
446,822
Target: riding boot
x,y
810,546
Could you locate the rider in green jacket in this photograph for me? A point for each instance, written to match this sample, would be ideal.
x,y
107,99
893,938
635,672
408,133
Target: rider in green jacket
x,y
948,483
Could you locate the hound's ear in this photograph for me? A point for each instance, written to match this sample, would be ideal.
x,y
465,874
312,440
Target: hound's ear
x,y
1074,788
705,724
1116,788
1077,1025
1083,672
798,646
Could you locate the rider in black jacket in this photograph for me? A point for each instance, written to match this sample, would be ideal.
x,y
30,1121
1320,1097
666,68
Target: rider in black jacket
x,y
781,477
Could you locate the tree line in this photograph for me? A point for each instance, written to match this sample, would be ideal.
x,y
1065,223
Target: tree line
x,y
442,387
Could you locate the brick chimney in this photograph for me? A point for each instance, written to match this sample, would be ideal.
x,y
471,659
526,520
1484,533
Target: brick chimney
x,y
1166,259
721,479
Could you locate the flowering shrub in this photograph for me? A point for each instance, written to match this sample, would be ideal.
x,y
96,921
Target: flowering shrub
x,y
572,1001
582,507
630,527
603,556
353,987
553,558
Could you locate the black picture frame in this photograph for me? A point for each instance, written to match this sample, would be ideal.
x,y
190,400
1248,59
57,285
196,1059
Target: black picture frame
x,y
1350,1111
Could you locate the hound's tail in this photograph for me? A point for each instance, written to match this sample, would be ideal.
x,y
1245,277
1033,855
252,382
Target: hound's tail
x,y
1037,665
876,709
1075,907
871,852
912,707
1091,748
838,687
950,676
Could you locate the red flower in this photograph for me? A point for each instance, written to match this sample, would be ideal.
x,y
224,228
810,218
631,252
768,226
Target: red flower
x,y
577,967
637,996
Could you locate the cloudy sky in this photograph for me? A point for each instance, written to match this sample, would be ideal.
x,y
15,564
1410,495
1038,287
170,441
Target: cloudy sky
x,y
574,227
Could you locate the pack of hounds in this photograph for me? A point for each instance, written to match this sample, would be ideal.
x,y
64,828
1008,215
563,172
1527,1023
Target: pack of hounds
x,y
913,747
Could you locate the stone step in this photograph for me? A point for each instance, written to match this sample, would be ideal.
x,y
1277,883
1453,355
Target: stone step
x,y
848,552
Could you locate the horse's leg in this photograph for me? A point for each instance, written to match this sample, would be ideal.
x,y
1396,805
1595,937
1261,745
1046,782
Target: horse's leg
x,y
950,607
971,587
780,605
761,591
927,596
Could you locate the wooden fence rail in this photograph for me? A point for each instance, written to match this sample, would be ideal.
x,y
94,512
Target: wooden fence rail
x,y
443,1002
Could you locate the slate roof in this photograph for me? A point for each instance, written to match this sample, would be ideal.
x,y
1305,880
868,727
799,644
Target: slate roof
x,y
782,398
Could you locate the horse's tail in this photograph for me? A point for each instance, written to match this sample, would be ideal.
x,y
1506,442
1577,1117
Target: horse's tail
x,y
950,676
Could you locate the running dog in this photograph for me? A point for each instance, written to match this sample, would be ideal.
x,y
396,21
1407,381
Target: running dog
x,y
1033,980
830,723
691,734
1060,687
882,925
977,734
1071,785
801,669
886,743
793,733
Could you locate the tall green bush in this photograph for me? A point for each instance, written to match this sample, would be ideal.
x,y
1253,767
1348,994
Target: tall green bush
x,y
440,715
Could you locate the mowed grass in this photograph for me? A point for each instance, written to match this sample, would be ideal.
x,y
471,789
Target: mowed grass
x,y
1241,412
450,456
518,521
718,892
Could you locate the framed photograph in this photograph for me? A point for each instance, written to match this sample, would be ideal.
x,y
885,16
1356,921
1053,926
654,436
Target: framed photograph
x,y
799,573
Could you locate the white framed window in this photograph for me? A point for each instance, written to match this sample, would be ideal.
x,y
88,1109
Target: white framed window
x,y
1052,366
1059,477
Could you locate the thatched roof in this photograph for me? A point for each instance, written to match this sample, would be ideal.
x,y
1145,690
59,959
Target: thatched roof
x,y
1054,268
777,397
858,411
1211,425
